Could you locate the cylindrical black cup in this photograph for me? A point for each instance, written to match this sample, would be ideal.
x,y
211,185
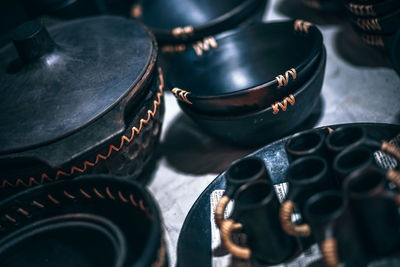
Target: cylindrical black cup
x,y
334,229
351,159
306,176
306,144
375,209
240,172
344,137
257,208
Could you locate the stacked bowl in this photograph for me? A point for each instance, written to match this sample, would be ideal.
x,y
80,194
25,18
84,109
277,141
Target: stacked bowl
x,y
252,84
378,23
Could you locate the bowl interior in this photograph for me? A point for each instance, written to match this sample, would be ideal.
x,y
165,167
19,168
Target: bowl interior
x,y
246,58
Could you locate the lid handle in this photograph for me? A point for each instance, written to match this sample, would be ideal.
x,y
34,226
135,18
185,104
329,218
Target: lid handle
x,y
32,41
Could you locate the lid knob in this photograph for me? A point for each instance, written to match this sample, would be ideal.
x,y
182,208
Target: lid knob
x,y
32,41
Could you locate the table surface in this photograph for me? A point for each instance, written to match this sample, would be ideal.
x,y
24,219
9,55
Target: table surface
x,y
359,86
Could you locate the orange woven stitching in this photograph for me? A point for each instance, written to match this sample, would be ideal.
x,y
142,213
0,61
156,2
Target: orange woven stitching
x,y
179,31
11,219
124,139
84,193
98,193
205,45
22,211
109,193
283,105
55,201
132,200
69,195
284,80
181,94
301,25
37,204
374,40
362,10
369,24
122,197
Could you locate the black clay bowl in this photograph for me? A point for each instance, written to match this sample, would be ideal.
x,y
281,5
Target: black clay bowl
x,y
173,21
80,116
373,10
90,221
264,126
246,69
386,24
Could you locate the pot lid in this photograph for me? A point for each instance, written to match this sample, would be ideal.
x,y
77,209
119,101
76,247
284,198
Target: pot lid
x,y
54,83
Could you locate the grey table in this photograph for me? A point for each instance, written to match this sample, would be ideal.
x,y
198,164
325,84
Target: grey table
x,y
359,86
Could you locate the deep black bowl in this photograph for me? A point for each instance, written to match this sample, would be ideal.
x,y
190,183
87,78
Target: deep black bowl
x,y
386,24
90,221
246,69
270,123
174,21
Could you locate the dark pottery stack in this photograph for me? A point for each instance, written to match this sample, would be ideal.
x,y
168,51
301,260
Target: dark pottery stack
x,y
378,23
249,86
89,221
85,97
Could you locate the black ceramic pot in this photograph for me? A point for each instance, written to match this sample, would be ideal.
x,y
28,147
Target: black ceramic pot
x,y
335,229
172,21
65,112
90,221
306,176
371,10
243,70
375,208
270,123
307,143
240,172
344,137
256,204
331,6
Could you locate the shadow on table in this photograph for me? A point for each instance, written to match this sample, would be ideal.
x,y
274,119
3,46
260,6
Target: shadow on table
x,y
350,47
190,150
298,10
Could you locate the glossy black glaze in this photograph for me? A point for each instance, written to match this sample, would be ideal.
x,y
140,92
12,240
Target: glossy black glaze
x,y
239,75
162,17
244,171
194,247
375,9
306,144
351,159
256,204
329,217
263,126
375,210
92,221
329,6
119,140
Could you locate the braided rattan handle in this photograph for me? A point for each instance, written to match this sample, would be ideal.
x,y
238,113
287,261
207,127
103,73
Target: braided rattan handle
x,y
227,226
330,252
288,226
220,211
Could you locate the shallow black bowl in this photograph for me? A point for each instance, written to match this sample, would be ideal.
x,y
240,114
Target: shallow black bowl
x,y
270,123
90,221
246,69
175,21
386,24
373,10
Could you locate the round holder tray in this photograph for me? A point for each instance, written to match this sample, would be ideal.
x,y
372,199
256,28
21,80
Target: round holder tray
x,y
48,134
199,232
90,221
